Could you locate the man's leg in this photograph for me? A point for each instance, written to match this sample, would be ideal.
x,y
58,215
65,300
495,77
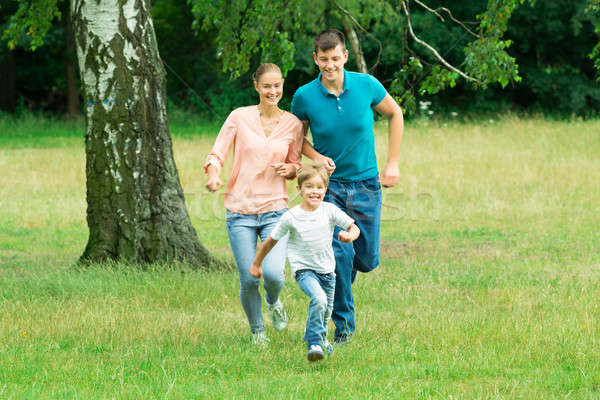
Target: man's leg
x,y
343,303
365,206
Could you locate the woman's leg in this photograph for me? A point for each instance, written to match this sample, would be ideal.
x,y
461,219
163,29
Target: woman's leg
x,y
242,232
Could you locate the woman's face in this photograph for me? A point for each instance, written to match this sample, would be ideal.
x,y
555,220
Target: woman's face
x,y
269,88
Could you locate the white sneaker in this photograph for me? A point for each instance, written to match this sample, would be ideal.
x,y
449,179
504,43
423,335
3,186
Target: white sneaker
x,y
260,338
278,315
315,353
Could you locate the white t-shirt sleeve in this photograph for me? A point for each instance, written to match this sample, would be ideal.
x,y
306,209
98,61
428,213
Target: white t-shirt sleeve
x,y
338,217
282,227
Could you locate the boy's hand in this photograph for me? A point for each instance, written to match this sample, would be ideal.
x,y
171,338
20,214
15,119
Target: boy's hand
x,y
256,270
346,237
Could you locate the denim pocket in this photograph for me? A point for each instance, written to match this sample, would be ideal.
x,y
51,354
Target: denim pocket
x,y
371,185
230,217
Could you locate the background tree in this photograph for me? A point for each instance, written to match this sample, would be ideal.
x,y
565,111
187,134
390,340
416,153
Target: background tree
x,y
136,208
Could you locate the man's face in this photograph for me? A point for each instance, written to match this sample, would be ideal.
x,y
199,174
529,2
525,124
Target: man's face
x,y
331,62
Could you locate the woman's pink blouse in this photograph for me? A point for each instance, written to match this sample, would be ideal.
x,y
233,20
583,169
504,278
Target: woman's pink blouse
x,y
254,187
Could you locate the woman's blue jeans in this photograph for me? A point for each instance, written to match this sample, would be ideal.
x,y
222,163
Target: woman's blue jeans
x,y
243,230
320,288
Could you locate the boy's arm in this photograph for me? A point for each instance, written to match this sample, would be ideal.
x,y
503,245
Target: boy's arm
x,y
267,246
350,235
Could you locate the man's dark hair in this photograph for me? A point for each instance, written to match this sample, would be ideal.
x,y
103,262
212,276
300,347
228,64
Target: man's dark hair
x,y
328,39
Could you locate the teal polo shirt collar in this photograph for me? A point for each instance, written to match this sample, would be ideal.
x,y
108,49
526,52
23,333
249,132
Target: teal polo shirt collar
x,y
327,92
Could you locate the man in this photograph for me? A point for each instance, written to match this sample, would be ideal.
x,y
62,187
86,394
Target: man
x,y
337,106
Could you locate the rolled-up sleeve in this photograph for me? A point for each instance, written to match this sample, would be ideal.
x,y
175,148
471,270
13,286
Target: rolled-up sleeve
x,y
222,145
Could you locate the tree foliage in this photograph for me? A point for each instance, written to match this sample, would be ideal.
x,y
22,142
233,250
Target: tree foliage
x,y
417,48
269,30
31,22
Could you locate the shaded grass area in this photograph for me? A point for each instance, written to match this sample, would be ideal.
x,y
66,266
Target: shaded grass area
x,y
39,132
487,286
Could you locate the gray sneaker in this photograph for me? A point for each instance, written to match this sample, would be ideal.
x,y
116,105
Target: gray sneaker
x,y
260,338
328,347
315,353
278,315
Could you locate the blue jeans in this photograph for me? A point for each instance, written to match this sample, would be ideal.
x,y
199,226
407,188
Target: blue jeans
x,y
320,288
243,230
361,201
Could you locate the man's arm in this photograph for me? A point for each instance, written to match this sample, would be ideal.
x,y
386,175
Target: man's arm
x,y
309,151
392,111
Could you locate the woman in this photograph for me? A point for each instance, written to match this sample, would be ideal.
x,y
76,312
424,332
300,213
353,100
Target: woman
x,y
267,150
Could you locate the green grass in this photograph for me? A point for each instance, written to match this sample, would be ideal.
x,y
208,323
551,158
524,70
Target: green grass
x,y
487,289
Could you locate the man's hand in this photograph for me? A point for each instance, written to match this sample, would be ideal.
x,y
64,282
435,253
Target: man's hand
x,y
256,270
390,175
327,162
214,183
285,170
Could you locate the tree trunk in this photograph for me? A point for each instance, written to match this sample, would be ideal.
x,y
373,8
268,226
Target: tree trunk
x,y
8,94
72,93
361,64
136,208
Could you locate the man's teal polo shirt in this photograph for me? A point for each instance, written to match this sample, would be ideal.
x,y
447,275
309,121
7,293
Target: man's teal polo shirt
x,y
342,126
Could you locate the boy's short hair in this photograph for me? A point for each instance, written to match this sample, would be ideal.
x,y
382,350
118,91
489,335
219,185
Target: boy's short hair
x,y
328,39
309,170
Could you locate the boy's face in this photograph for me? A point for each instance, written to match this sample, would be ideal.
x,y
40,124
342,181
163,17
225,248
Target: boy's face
x,y
312,192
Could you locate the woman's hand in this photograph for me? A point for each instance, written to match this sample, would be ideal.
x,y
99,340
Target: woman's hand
x,y
285,170
214,183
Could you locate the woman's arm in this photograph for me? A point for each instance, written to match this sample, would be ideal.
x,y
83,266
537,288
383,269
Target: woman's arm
x,y
218,155
214,182
293,159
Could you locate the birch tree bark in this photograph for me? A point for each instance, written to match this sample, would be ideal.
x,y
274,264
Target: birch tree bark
x,y
136,208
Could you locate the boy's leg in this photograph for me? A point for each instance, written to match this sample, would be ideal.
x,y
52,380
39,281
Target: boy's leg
x,y
242,238
328,285
309,283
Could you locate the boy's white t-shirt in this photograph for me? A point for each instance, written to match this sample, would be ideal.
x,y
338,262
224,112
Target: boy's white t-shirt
x,y
311,235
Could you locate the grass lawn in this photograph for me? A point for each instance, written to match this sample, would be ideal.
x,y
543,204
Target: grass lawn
x,y
488,285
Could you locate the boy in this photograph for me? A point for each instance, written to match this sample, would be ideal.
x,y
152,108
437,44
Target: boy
x,y
310,254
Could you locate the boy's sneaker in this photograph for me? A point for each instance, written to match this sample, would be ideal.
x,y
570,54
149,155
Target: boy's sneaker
x,y
315,353
260,338
278,315
328,347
